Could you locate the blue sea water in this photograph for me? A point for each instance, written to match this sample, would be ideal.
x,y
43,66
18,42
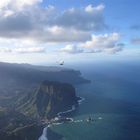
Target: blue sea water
x,y
112,99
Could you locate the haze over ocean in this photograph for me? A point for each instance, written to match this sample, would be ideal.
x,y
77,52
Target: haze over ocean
x,y
113,95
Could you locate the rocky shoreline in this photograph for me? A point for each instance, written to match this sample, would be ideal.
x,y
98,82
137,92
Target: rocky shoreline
x,y
60,119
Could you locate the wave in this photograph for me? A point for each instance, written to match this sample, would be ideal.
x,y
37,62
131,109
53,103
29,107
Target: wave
x,y
44,134
72,109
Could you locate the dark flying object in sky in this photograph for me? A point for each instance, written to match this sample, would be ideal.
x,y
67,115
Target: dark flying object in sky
x,y
61,62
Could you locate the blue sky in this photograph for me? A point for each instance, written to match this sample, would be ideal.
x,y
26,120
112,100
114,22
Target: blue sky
x,y
116,11
119,14
49,30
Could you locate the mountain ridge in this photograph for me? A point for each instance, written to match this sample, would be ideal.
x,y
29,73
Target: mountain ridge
x,y
49,99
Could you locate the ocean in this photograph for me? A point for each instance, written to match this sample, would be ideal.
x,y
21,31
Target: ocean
x,y
112,99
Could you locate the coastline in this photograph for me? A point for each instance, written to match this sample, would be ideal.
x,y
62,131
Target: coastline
x,y
73,108
44,135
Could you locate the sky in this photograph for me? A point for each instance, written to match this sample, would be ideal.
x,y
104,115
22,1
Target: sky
x,y
47,31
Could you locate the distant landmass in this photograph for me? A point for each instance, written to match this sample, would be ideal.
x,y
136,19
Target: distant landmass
x,y
26,74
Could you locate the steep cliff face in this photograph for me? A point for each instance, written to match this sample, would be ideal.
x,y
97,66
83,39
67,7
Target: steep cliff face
x,y
49,99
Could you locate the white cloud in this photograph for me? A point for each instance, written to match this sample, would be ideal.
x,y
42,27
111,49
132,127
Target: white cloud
x,y
71,49
114,49
60,35
17,4
20,46
26,27
30,50
102,41
25,19
92,9
7,13
5,50
88,18
23,50
99,43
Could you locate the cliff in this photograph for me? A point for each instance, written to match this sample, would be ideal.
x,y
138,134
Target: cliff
x,y
49,99
22,105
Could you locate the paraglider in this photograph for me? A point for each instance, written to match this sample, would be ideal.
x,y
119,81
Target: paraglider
x,y
61,62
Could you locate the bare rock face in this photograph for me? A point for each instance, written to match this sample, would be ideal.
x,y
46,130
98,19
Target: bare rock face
x,y
49,99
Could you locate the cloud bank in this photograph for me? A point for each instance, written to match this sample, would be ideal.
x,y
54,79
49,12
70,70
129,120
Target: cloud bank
x,y
26,19
99,43
27,26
